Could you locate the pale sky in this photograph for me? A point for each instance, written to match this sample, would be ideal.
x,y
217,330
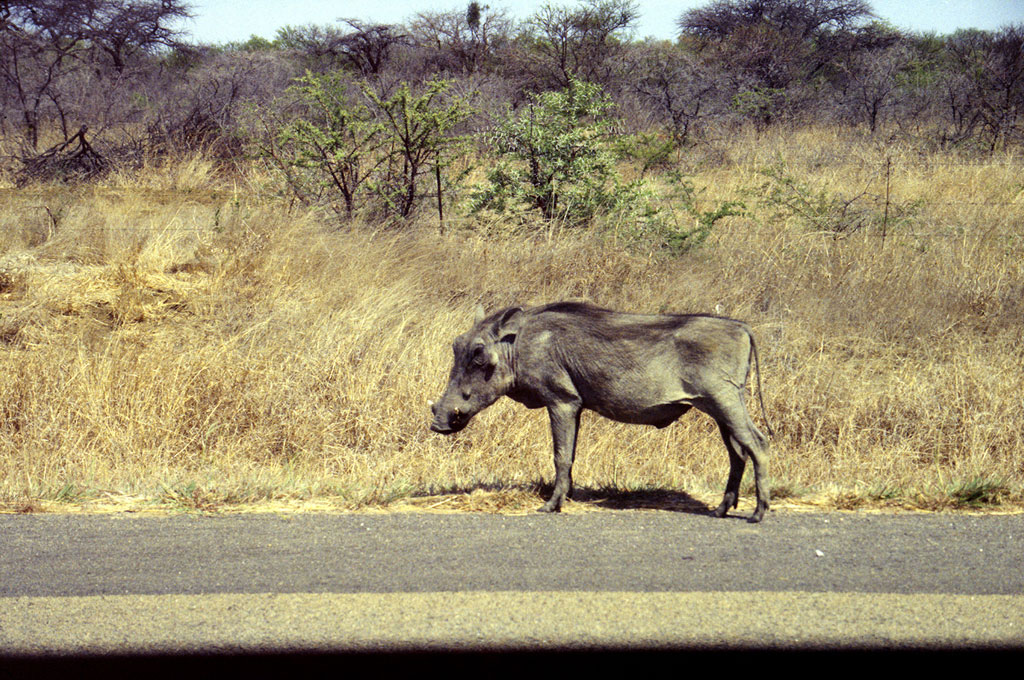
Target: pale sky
x,y
221,21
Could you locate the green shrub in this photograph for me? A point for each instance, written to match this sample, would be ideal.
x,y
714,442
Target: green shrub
x,y
349,143
681,223
555,157
830,212
418,129
333,147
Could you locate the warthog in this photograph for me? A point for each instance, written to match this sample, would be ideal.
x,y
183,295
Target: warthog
x,y
633,368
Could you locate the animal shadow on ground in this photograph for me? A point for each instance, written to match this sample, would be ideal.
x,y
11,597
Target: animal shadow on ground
x,y
497,497
645,499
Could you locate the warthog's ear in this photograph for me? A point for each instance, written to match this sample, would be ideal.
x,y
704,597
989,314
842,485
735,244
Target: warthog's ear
x,y
508,325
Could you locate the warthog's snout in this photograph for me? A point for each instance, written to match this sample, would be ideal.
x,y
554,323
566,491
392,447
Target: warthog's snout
x,y
445,421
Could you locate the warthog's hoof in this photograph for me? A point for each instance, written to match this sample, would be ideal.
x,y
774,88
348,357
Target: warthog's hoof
x,y
758,513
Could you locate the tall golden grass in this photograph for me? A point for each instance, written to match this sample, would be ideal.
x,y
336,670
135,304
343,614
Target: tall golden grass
x,y
180,336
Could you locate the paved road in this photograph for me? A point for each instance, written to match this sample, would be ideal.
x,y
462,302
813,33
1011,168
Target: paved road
x,y
628,580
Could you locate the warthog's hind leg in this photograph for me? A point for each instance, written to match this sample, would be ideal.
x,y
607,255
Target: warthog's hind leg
x,y
743,440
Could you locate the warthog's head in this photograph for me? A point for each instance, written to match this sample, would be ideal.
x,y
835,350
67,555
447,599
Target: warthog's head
x,y
482,371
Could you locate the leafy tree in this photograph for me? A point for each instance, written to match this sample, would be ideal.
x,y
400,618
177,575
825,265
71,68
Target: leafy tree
x,y
802,19
255,43
555,157
350,142
334,146
419,130
687,224
473,13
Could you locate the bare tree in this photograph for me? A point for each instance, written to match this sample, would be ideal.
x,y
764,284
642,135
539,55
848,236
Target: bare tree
x,y
988,75
200,105
775,48
675,84
567,43
43,43
870,84
124,28
366,47
803,19
462,41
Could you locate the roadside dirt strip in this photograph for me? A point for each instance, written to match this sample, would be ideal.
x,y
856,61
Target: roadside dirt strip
x,y
486,621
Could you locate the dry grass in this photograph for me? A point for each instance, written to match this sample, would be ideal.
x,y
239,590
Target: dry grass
x,y
177,340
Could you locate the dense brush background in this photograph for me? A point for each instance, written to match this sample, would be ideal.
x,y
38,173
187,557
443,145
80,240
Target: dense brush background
x,y
180,329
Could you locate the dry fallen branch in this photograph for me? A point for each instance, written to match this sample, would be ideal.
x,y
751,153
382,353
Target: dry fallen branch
x,y
66,161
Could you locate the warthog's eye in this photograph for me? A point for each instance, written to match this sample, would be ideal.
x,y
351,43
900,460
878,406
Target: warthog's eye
x,y
479,355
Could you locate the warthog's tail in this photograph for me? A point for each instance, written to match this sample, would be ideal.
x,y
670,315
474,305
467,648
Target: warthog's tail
x,y
760,395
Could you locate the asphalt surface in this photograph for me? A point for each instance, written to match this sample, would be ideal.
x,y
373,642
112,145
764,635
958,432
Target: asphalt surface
x,y
266,583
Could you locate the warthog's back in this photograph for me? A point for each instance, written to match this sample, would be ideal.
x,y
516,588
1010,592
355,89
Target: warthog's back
x,y
630,367
586,332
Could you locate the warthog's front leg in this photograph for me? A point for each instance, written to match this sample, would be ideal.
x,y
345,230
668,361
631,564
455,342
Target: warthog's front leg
x,y
565,424
732,488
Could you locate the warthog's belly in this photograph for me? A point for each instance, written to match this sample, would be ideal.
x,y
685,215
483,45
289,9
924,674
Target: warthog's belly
x,y
661,415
